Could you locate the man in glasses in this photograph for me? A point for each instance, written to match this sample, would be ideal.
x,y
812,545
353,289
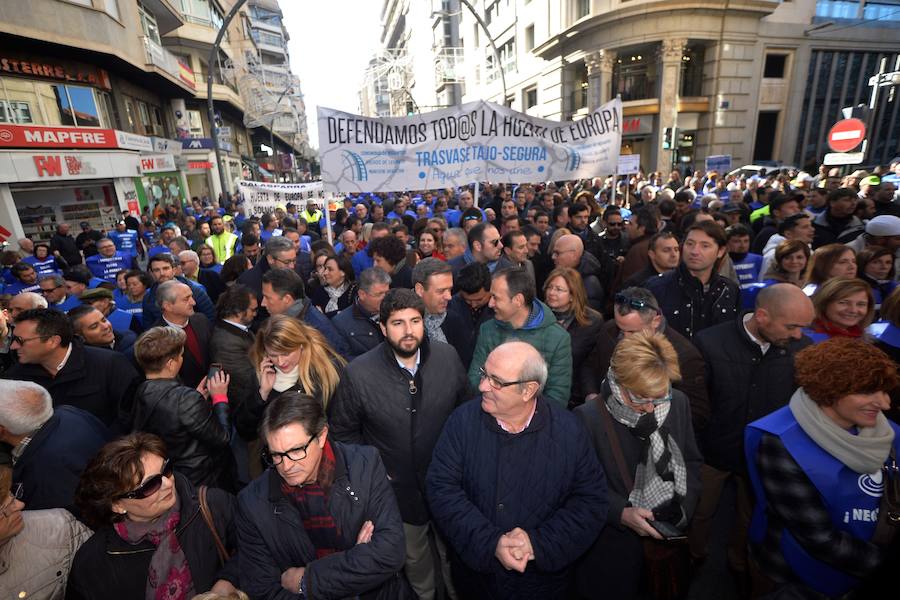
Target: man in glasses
x,y
50,446
496,464
518,314
209,279
397,397
53,288
634,310
484,247
322,521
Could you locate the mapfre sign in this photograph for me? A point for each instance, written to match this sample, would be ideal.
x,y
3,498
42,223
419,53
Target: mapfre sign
x,y
80,138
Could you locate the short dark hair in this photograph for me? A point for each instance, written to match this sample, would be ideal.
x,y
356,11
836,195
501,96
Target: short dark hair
x,y
737,230
507,239
839,193
293,407
284,282
473,278
344,265
778,200
236,299
519,281
792,221
666,207
249,239
476,234
647,216
388,247
400,299
380,226
145,277
684,196
662,235
78,312
578,207
161,257
529,230
471,214
19,268
710,228
428,267
49,322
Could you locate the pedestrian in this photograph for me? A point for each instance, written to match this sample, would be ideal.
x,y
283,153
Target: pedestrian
x,y
570,253
389,254
339,290
53,288
396,397
827,262
876,267
514,484
108,261
176,301
62,244
844,308
322,520
483,245
358,323
162,267
94,329
642,433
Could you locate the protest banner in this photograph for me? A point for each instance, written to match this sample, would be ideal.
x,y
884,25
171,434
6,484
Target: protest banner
x,y
260,198
476,141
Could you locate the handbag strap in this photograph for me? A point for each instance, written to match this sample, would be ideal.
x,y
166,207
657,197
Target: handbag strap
x,y
889,508
207,516
627,479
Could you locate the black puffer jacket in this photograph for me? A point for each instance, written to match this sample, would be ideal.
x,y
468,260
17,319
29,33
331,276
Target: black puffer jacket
x,y
744,385
272,537
106,566
361,333
377,403
185,421
687,308
593,276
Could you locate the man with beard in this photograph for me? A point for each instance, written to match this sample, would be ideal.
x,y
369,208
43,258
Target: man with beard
x,y
750,373
381,402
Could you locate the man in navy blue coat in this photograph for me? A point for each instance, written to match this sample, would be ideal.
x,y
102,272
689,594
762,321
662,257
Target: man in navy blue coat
x,y
514,484
50,447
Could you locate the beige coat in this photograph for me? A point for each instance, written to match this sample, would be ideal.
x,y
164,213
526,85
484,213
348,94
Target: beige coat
x,y
35,564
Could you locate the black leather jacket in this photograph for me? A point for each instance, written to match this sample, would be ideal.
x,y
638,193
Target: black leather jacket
x,y
194,437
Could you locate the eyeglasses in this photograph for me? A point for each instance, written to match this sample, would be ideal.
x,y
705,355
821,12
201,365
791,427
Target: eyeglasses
x,y
654,401
290,262
558,289
493,242
48,290
634,303
498,384
152,485
16,491
273,459
21,341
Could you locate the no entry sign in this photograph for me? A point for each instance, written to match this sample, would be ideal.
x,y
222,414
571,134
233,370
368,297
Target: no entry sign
x,y
847,134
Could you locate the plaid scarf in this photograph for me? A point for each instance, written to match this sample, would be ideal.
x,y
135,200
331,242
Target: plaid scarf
x,y
312,502
169,576
661,477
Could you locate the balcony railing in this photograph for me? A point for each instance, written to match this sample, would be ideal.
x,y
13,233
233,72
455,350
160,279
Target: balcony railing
x,y
448,65
168,62
637,86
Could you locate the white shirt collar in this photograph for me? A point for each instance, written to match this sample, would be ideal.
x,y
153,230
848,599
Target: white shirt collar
x,y
415,369
65,359
763,345
176,325
236,324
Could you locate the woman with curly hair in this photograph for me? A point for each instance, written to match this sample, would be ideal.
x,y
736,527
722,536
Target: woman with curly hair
x,y
816,470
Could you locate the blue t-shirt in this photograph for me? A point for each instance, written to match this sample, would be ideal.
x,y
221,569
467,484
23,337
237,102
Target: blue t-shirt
x,y
43,267
106,267
125,241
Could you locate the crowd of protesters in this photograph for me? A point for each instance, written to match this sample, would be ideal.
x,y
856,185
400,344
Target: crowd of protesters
x,y
539,395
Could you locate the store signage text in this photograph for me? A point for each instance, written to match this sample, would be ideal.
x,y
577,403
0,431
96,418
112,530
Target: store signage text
x,y
36,136
52,165
199,164
53,70
157,163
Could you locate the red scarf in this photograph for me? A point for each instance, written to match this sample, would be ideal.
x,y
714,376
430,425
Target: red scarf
x,y
312,502
827,327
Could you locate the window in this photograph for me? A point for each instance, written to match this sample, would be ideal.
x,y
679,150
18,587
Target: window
x,y
202,12
839,9
267,38
476,32
775,64
882,10
529,97
148,24
130,115
529,38
144,114
15,112
692,69
195,123
77,106
578,98
158,128
582,8
111,8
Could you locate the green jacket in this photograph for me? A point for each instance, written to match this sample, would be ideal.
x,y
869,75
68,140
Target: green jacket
x,y
545,334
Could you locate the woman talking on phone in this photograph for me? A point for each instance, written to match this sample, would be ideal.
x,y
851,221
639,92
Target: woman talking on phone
x,y
193,423
289,356
641,429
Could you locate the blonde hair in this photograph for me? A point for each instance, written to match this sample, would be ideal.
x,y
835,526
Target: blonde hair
x,y
285,334
645,364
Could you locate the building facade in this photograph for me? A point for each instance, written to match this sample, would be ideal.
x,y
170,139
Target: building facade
x,y
103,108
753,79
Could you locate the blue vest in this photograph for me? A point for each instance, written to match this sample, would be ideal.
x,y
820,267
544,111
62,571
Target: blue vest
x,y
18,287
68,304
42,267
136,309
748,270
106,268
885,332
852,500
125,241
815,336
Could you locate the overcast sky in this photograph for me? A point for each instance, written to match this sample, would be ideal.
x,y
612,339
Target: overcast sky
x,y
330,47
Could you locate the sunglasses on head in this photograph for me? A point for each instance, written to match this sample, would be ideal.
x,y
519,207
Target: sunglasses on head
x,y
152,485
634,303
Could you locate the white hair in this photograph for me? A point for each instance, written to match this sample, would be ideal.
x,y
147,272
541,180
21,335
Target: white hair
x,y
24,406
35,300
189,254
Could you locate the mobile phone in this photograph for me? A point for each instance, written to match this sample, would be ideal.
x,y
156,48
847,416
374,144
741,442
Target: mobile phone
x,y
667,530
213,369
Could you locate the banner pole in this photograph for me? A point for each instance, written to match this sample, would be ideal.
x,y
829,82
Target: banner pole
x,y
328,224
475,195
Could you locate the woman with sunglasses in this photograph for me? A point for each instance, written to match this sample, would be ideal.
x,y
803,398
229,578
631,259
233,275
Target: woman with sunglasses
x,y
150,539
193,423
641,429
36,546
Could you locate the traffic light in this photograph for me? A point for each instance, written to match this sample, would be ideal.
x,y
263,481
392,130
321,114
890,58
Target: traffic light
x,y
668,140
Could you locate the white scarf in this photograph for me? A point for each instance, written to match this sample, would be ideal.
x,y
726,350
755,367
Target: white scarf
x,y
864,453
334,294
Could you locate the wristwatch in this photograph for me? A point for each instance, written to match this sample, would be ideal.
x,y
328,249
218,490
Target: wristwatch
x,y
301,586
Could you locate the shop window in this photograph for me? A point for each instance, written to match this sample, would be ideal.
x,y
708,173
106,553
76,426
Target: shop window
x,y
530,97
107,112
15,112
77,106
775,65
159,129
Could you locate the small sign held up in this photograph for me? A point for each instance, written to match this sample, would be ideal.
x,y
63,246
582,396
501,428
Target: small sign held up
x,y
628,164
